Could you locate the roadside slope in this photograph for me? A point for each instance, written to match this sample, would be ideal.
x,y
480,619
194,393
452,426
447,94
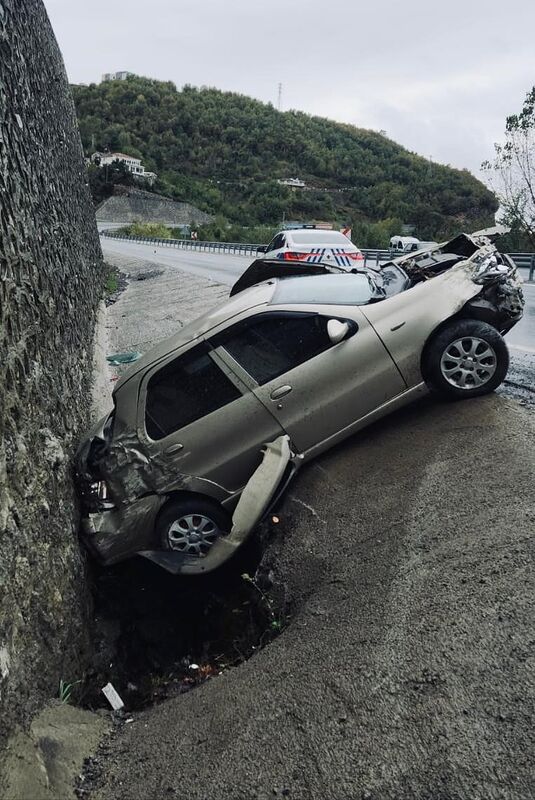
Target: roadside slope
x,y
405,669
160,299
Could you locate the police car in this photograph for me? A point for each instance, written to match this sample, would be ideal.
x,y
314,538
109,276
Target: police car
x,y
314,246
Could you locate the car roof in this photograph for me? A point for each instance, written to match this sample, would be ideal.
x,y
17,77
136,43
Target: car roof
x,y
347,288
315,233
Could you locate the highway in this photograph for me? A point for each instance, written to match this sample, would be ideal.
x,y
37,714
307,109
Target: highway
x,y
226,269
218,267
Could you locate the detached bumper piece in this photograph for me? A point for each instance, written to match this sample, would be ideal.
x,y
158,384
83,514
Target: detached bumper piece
x,y
263,486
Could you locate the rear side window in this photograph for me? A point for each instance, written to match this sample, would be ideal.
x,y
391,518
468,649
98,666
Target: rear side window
x,y
185,390
276,243
271,344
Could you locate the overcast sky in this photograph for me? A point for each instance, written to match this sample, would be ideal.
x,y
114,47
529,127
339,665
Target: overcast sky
x,y
439,78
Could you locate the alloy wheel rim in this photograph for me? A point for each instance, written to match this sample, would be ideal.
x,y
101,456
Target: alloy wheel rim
x,y
193,534
468,363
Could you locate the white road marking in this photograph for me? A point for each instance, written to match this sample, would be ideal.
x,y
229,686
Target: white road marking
x,y
309,508
523,348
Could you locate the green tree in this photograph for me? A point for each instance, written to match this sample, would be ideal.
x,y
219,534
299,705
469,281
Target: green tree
x,y
512,171
224,153
102,179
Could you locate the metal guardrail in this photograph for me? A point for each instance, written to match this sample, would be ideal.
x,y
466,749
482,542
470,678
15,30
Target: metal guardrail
x,y
232,248
526,261
522,260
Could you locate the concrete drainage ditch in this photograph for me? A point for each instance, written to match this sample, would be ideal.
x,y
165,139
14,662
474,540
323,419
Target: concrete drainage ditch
x,y
157,635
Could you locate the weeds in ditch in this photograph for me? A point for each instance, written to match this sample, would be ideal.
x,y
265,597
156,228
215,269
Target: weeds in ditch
x,y
275,622
65,690
112,282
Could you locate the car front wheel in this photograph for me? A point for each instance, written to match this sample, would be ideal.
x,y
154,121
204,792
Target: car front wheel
x,y
192,526
465,359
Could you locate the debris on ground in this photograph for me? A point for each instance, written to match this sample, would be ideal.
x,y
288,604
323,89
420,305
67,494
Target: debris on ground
x,y
112,697
145,276
147,653
124,358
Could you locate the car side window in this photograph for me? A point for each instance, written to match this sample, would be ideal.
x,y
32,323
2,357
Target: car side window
x,y
276,243
269,345
185,390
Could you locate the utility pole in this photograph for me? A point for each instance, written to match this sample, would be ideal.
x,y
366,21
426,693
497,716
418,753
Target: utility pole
x,y
279,102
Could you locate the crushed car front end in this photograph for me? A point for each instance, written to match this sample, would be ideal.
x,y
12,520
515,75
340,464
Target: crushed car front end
x,y
123,491
499,301
112,528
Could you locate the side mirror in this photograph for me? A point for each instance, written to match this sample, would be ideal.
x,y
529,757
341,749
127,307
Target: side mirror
x,y
262,249
337,331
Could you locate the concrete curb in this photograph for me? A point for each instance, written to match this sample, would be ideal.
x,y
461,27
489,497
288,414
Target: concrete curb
x,y
101,401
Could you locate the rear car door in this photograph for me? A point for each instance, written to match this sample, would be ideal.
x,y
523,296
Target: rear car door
x,y
315,389
198,418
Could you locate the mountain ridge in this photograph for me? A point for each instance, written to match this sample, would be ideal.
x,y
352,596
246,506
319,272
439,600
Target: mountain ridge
x,y
225,152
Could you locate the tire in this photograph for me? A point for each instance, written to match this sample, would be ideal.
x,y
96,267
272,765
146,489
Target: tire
x,y
192,525
467,358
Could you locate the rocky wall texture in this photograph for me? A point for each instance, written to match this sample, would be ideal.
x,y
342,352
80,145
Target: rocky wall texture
x,y
135,205
51,276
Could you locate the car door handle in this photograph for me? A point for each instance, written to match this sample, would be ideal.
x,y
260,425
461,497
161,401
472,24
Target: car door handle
x,y
276,394
175,448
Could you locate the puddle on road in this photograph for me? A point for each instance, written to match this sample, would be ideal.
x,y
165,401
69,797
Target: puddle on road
x,y
151,627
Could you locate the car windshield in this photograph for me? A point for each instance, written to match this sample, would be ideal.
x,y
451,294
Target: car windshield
x,y
339,290
325,238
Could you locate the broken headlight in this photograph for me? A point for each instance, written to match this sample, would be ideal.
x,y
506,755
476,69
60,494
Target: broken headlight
x,y
97,497
489,268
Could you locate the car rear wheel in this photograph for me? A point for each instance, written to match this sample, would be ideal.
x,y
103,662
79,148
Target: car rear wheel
x,y
192,526
465,359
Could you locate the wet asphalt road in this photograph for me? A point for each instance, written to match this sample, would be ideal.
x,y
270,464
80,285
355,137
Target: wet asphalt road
x,y
402,568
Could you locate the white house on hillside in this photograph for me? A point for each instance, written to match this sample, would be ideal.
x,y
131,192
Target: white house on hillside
x,y
116,76
295,183
133,165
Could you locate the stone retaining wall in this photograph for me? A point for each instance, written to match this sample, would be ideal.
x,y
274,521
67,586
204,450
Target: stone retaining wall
x,y
51,278
135,205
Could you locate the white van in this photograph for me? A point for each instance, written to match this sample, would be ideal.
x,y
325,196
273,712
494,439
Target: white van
x,y
401,245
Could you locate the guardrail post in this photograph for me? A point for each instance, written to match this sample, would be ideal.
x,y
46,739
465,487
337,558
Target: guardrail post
x,y
532,267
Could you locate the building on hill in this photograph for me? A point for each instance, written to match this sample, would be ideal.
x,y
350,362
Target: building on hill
x,y
122,75
133,165
293,183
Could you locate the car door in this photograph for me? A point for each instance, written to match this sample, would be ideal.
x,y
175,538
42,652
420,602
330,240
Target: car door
x,y
198,418
314,388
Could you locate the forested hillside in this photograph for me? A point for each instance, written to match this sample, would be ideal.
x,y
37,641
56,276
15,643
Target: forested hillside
x,y
224,152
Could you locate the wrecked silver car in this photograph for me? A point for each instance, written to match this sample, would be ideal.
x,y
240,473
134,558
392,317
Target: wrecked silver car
x,y
210,426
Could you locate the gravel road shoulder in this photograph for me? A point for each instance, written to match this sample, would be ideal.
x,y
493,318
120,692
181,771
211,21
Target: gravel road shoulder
x,y
158,301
